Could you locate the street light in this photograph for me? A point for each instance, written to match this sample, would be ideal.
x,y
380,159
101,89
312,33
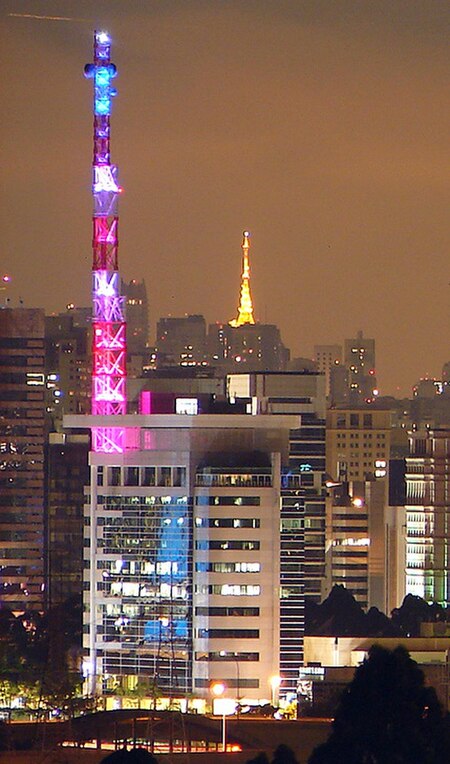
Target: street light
x,y
217,690
275,682
224,654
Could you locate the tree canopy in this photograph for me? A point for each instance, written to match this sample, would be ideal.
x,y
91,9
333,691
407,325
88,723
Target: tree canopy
x,y
340,615
387,715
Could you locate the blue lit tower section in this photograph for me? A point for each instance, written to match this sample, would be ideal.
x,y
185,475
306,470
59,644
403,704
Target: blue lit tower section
x,y
109,335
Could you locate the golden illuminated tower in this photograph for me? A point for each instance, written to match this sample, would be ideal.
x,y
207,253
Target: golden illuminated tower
x,y
245,309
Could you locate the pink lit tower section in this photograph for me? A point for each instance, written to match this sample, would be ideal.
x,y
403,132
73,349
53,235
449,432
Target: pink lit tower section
x,y
109,328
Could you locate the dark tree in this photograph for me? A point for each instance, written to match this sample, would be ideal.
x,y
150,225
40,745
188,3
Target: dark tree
x,y
260,758
377,624
130,756
338,615
284,755
413,611
386,716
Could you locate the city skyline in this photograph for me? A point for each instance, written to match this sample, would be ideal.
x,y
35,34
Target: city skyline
x,y
311,126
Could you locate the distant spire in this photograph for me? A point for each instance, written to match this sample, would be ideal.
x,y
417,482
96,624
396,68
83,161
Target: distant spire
x,y
245,309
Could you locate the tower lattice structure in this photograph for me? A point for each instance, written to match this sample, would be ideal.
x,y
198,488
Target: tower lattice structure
x,y
108,321
245,309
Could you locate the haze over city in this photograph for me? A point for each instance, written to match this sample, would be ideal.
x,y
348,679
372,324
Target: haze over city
x,y
319,126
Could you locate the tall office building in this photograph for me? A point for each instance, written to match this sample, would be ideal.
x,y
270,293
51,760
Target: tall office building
x,y
246,348
428,515
358,443
327,357
67,367
302,528
67,473
359,359
182,554
181,341
136,306
365,513
22,434
365,543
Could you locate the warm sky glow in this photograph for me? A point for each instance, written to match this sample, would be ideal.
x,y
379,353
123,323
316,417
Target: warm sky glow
x,y
321,125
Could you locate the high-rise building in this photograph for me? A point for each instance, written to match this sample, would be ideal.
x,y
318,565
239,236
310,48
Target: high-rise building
x,y
302,527
181,341
339,389
136,305
182,554
22,435
246,348
359,359
428,515
365,543
327,357
358,443
67,473
67,367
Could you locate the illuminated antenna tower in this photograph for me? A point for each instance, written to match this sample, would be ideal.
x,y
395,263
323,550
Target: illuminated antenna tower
x,y
108,320
245,309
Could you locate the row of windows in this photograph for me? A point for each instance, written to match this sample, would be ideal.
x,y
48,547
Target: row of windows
x,y
354,420
223,655
231,682
143,476
206,480
228,633
230,590
227,522
227,501
16,413
232,545
21,342
227,567
227,611
122,502
355,436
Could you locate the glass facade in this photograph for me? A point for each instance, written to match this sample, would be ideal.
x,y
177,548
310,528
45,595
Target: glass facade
x,y
144,573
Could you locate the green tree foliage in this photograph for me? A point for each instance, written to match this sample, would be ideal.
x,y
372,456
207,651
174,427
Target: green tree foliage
x,y
39,657
387,716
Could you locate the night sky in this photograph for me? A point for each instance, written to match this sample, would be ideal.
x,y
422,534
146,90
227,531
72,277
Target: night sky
x,y
321,126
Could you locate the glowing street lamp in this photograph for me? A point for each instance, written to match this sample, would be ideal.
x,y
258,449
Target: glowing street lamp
x,y
275,682
217,690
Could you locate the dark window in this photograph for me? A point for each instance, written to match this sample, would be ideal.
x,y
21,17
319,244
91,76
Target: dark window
x,y
227,611
228,633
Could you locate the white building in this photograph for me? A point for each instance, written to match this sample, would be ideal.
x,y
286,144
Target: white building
x,y
182,555
428,515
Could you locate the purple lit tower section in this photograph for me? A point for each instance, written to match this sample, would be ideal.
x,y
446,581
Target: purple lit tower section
x,y
109,328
